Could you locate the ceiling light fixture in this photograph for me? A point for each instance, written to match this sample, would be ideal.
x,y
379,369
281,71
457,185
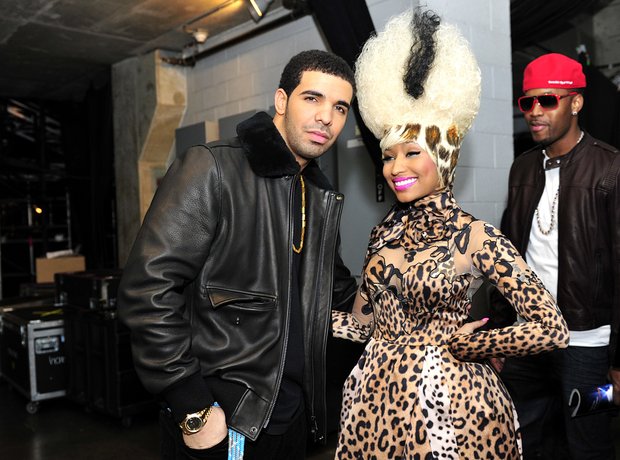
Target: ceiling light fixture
x,y
200,34
258,8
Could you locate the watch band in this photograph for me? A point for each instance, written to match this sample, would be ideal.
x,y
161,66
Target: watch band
x,y
202,415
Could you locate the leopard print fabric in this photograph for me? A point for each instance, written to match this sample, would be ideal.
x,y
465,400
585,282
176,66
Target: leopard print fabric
x,y
421,390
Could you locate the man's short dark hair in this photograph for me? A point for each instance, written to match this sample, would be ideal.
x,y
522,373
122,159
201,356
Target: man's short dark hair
x,y
314,60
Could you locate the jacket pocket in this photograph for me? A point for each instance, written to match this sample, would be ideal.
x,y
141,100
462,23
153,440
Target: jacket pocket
x,y
221,297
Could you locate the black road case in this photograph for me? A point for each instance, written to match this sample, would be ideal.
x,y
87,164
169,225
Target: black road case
x,y
93,289
16,303
32,346
101,375
101,372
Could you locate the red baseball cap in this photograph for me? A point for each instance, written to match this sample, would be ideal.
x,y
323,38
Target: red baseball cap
x,y
553,70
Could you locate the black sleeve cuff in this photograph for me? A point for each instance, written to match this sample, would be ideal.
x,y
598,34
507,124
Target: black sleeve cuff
x,y
188,396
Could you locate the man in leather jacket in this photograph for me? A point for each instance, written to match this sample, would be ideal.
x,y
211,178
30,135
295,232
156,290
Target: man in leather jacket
x,y
230,284
563,215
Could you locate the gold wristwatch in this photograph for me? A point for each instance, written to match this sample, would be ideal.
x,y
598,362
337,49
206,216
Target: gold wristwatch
x,y
193,423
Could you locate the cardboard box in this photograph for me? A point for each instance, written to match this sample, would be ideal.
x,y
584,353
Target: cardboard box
x,y
46,268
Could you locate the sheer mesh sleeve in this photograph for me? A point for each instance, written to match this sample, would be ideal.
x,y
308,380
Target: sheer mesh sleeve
x,y
490,254
357,325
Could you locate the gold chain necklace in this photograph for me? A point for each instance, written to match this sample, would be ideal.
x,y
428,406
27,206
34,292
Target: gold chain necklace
x,y
553,205
303,216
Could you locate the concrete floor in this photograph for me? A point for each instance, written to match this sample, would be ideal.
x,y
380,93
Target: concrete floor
x,y
63,430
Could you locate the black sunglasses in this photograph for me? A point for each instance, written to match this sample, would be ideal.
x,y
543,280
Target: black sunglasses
x,y
546,101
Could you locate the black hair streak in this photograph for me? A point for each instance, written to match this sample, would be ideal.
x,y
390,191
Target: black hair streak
x,y
424,26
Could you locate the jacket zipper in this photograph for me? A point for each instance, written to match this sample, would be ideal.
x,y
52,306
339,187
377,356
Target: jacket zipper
x,y
288,309
317,437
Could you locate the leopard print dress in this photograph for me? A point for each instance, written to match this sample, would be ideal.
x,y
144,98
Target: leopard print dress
x,y
421,390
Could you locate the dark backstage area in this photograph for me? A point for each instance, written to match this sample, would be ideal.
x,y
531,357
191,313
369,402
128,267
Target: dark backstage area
x,y
123,329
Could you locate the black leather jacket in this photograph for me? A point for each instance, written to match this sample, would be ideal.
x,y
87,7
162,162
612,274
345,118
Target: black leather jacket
x,y
589,229
205,291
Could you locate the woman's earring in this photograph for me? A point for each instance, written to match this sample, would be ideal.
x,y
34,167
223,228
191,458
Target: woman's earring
x,y
574,113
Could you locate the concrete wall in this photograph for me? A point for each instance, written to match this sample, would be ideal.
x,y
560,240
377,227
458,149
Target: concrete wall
x,y
244,77
134,100
149,100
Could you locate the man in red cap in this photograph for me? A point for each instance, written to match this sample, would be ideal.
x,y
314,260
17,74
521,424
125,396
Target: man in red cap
x,y
564,216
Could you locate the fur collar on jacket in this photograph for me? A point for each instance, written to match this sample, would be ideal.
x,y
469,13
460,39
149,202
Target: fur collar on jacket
x,y
269,155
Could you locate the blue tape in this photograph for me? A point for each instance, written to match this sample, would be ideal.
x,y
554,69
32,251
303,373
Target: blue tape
x,y
236,443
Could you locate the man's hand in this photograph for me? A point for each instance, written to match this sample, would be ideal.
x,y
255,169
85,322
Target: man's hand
x,y
214,431
614,376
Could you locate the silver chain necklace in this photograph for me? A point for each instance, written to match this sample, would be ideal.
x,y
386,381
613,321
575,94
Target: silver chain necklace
x,y
552,224
553,205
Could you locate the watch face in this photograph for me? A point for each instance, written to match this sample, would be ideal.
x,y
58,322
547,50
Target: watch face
x,y
193,423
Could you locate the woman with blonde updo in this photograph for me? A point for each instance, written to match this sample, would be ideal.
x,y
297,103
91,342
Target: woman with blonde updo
x,y
423,388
